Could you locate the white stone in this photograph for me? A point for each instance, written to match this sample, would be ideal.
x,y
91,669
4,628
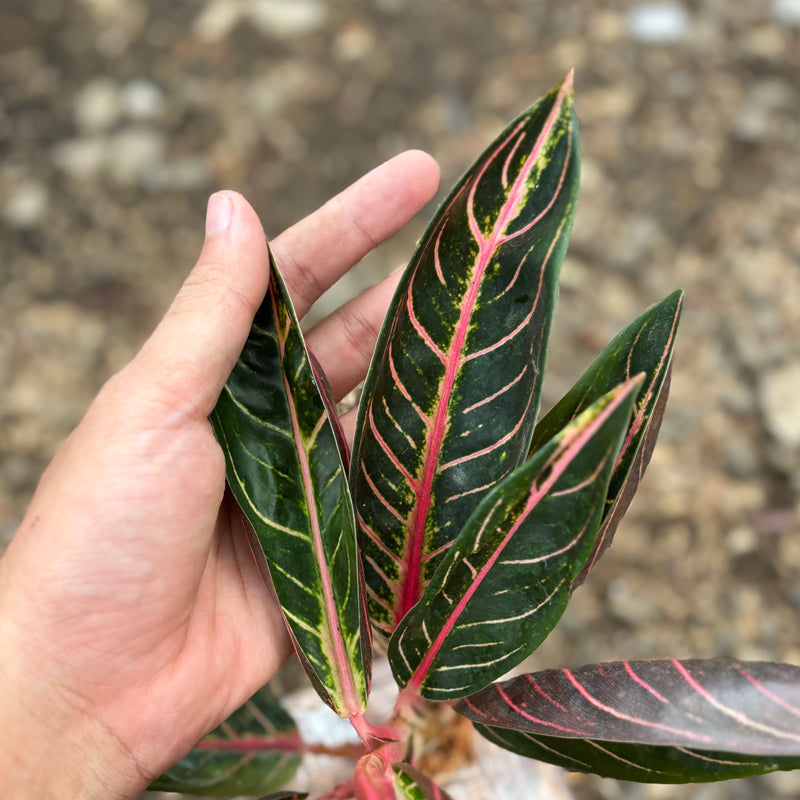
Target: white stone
x,y
741,541
218,19
80,158
658,23
752,124
27,205
265,97
134,153
786,11
780,401
180,174
287,17
97,105
142,99
105,8
354,43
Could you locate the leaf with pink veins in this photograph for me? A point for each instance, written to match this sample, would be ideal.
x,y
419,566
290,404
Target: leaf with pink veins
x,y
451,397
662,721
645,346
506,580
285,466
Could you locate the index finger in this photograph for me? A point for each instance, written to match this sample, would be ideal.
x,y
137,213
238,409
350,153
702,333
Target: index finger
x,y
315,252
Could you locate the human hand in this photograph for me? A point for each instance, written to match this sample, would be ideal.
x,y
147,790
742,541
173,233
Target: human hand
x,y
133,617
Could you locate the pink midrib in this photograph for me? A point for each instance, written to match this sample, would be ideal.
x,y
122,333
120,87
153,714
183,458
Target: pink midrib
x,y
638,420
350,695
412,562
562,460
635,426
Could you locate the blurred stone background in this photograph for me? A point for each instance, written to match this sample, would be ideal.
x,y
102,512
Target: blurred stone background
x,y
119,117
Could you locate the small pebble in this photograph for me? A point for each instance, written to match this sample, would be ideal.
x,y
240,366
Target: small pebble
x,y
97,106
27,206
780,400
134,153
180,174
658,23
80,158
786,12
287,17
217,20
752,125
142,99
741,541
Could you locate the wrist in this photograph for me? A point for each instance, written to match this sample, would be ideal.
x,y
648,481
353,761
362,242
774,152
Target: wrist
x,y
48,765
49,746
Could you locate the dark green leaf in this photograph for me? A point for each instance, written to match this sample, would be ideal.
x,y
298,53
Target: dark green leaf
x,y
257,749
285,469
632,762
653,721
505,582
453,391
645,346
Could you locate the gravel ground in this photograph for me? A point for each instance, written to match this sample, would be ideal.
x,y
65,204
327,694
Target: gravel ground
x,y
119,117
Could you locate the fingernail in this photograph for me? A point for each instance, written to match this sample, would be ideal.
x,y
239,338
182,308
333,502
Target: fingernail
x,y
218,213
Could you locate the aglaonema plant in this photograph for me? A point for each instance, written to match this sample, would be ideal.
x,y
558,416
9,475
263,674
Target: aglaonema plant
x,y
461,525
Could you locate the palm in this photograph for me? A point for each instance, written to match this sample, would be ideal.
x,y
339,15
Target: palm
x,y
176,614
149,607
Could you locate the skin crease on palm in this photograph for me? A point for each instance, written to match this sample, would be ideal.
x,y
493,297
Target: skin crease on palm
x,y
133,617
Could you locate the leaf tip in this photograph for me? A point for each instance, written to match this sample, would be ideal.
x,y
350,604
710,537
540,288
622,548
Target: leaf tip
x,y
564,93
632,384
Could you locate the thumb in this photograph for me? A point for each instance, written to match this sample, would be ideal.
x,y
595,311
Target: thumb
x,y
190,355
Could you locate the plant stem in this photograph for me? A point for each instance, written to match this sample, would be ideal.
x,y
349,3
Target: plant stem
x,y
375,736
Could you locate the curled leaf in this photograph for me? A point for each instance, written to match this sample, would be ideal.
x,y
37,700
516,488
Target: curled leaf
x,y
656,721
643,347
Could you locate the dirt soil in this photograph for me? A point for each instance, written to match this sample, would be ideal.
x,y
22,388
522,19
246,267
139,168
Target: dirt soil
x,y
119,117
